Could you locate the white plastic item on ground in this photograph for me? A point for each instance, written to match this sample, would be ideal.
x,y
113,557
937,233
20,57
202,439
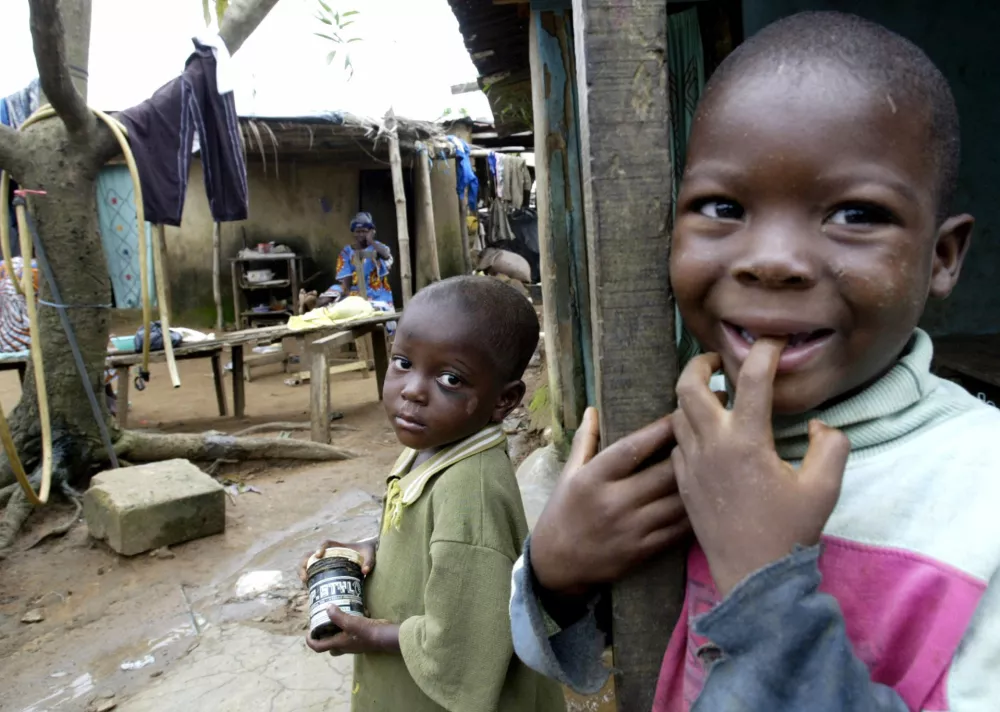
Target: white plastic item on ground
x,y
254,583
138,664
511,264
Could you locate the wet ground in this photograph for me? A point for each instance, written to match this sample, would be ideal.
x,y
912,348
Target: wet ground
x,y
215,624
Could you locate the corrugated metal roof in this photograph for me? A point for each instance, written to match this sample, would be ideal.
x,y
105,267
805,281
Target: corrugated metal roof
x,y
497,39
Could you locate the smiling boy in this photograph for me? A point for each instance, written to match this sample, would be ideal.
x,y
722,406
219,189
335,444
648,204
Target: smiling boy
x,y
438,636
848,550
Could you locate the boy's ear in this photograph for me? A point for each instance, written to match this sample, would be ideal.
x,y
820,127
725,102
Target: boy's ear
x,y
953,239
510,397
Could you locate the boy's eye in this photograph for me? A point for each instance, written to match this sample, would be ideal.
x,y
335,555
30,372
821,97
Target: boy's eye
x,y
401,363
862,215
720,209
449,380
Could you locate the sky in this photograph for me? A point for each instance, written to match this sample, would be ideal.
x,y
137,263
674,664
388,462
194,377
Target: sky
x,y
409,56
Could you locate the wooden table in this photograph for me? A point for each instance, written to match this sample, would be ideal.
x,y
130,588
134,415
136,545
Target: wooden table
x,y
324,338
319,371
122,362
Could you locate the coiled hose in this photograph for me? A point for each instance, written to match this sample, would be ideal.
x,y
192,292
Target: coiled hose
x,y
26,288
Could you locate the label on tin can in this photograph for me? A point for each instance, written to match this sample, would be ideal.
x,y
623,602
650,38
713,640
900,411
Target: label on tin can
x,y
331,587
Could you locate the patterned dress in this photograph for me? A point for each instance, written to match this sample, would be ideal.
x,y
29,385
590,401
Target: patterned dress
x,y
375,275
15,329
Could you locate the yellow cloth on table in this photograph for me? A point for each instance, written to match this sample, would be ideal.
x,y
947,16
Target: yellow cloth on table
x,y
346,310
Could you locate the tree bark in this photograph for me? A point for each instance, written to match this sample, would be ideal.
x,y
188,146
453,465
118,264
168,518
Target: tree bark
x,y
137,446
48,38
63,157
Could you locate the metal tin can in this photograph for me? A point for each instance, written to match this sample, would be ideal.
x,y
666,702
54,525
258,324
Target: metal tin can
x,y
334,579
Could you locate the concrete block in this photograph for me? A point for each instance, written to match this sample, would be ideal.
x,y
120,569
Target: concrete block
x,y
137,509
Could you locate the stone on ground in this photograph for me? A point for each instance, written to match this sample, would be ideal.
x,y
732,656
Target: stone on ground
x,y
537,477
146,507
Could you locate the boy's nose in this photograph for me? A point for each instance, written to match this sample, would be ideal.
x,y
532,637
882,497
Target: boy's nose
x,y
777,259
414,390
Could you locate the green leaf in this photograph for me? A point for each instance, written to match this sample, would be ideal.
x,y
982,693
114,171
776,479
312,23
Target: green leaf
x,y
326,21
350,13
325,6
324,36
220,9
342,25
330,57
353,40
347,61
208,13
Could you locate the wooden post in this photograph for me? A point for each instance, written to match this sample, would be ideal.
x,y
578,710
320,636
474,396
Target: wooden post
x,y
561,236
463,216
399,194
217,277
423,159
621,61
160,276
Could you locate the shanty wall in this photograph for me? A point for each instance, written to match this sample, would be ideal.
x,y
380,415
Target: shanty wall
x,y
305,205
447,224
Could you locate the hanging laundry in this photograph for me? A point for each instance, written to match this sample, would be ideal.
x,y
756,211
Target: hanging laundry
x,y
21,104
120,237
466,178
161,133
517,180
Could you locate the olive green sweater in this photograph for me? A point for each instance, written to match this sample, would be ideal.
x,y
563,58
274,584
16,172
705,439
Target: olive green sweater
x,y
452,529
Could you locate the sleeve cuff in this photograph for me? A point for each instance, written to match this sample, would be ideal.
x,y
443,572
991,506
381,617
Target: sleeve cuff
x,y
570,655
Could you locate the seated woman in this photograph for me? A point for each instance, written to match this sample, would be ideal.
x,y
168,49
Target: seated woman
x,y
367,261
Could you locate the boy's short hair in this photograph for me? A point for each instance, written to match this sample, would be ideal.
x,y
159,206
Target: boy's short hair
x,y
504,320
870,52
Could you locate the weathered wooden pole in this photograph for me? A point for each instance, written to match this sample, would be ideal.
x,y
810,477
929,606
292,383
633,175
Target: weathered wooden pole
x,y
423,160
217,277
621,61
561,236
463,216
399,196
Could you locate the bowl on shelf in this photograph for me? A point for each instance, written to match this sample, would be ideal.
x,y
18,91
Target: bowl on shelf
x,y
256,276
123,343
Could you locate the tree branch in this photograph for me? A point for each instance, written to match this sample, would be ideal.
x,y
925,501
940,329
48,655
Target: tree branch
x,y
10,150
241,19
49,39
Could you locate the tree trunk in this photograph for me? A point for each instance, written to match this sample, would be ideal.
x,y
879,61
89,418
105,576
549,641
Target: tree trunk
x,y
62,156
66,220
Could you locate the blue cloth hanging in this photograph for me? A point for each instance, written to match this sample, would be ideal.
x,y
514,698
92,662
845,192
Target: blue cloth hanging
x,y
466,175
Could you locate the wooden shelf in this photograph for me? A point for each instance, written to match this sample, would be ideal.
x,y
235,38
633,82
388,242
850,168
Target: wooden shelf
x,y
270,284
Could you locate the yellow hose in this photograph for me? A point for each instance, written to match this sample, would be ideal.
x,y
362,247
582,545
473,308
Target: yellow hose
x,y
27,290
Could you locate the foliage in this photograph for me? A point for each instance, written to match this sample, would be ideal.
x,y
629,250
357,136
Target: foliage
x,y
335,23
220,9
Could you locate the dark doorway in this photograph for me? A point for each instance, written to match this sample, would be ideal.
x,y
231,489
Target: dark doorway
x,y
376,198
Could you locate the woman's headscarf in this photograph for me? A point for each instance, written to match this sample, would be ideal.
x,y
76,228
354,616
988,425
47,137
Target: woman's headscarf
x,y
362,220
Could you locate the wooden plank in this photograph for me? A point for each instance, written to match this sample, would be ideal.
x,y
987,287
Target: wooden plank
x,y
399,196
427,208
561,235
621,52
239,387
381,355
319,397
217,277
332,340
122,396
336,369
463,216
220,383
160,277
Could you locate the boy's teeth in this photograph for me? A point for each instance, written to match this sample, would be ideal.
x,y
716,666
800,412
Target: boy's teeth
x,y
747,336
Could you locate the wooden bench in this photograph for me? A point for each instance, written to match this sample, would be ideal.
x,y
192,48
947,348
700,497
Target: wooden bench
x,y
327,336
320,350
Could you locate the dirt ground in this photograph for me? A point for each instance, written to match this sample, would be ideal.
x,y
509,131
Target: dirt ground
x,y
216,623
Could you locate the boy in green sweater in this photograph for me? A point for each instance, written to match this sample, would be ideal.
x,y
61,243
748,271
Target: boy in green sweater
x,y
438,632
